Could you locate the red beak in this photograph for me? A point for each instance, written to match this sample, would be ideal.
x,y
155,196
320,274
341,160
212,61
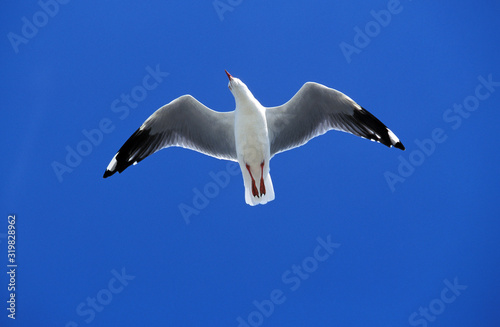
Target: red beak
x,y
228,75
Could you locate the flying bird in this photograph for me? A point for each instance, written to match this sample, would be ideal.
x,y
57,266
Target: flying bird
x,y
251,134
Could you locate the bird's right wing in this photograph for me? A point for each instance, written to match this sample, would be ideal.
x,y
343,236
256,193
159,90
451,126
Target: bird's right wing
x,y
184,122
316,109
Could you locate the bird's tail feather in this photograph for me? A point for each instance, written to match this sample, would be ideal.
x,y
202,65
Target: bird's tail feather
x,y
263,199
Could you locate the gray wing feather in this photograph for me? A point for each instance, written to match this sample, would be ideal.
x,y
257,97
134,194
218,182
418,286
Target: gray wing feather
x,y
316,109
184,122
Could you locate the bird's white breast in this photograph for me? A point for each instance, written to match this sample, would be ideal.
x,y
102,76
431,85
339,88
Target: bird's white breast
x,y
251,135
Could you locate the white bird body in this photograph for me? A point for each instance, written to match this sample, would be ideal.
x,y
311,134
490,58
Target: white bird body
x,y
252,144
251,134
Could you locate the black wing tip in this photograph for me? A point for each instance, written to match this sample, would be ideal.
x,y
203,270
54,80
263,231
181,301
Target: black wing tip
x,y
120,167
400,146
108,173
370,120
124,159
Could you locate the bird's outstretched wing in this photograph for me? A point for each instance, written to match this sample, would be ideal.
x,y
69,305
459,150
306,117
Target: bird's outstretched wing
x,y
184,122
316,109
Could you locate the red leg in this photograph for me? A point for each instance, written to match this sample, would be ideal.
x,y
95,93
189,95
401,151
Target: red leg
x,y
262,186
254,187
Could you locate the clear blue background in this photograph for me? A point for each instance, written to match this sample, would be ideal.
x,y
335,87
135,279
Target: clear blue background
x,y
397,247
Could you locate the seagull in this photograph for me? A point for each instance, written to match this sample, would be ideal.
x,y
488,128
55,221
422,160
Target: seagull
x,y
251,134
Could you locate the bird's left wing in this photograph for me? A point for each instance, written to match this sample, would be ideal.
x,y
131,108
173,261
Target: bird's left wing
x,y
184,122
316,109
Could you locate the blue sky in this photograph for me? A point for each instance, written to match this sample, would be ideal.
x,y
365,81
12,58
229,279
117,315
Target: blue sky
x,y
359,234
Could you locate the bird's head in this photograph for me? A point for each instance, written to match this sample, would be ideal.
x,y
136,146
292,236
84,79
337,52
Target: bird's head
x,y
237,87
